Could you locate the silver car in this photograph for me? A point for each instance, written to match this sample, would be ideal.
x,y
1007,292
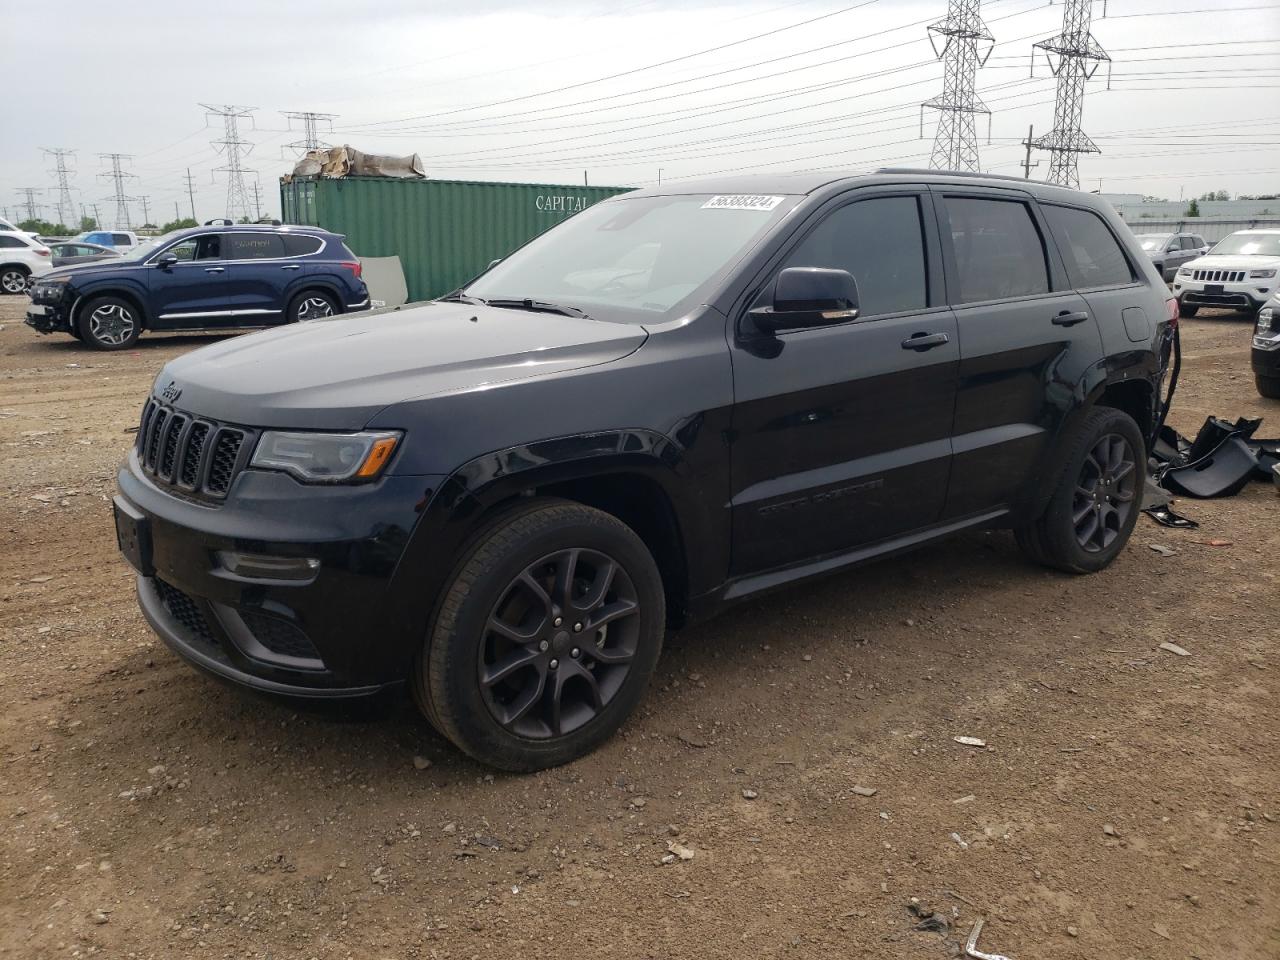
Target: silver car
x,y
1169,251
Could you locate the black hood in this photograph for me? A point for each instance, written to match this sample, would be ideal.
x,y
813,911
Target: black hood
x,y
336,374
112,265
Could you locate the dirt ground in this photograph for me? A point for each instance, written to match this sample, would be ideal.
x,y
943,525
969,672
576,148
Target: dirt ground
x,y
1127,803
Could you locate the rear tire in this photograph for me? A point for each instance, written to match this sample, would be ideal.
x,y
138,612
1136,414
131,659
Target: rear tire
x,y
1187,309
14,279
310,305
1268,387
109,323
1096,498
545,638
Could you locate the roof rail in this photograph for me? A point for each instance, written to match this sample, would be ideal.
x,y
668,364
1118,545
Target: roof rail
x,y
955,173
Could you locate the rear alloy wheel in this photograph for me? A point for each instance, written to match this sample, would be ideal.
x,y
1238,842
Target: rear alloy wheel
x,y
109,323
545,639
311,305
13,280
1096,497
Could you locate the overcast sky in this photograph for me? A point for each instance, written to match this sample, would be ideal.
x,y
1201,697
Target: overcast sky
x,y
492,90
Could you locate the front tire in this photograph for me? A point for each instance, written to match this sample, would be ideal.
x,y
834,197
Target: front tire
x,y
1096,498
13,280
545,639
1268,387
1188,309
109,323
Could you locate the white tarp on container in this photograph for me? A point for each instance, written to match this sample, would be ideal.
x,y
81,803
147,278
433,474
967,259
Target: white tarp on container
x,y
347,161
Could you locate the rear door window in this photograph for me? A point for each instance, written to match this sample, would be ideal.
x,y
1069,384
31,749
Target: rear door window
x,y
999,253
880,242
121,239
253,246
1190,243
1091,251
7,242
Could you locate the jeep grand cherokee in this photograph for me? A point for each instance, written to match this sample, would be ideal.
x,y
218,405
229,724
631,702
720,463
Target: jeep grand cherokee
x,y
676,399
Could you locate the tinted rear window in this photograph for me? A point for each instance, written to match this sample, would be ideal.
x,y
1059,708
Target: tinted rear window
x,y
121,238
998,250
11,241
1092,253
298,244
252,246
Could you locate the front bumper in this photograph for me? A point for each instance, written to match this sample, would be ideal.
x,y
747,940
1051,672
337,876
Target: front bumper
x,y
1244,295
49,317
351,630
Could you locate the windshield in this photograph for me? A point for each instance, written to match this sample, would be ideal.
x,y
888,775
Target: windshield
x,y
1249,245
644,254
1154,241
149,245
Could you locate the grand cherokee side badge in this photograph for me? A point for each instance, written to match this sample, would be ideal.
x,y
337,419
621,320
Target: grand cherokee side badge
x,y
171,393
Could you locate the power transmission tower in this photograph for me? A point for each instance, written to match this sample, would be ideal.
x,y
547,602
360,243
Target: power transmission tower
x,y
257,202
30,201
66,209
118,176
234,150
965,45
1073,56
146,214
191,192
310,139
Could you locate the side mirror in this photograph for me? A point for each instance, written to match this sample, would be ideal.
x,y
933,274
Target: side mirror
x,y
809,297
167,261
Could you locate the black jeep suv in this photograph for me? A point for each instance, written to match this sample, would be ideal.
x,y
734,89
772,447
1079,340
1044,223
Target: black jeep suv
x,y
674,400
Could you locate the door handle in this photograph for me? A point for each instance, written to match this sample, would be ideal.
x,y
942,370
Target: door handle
x,y
1068,319
925,341
292,266
214,269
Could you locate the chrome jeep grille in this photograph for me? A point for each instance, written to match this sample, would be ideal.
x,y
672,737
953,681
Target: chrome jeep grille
x,y
192,455
1218,276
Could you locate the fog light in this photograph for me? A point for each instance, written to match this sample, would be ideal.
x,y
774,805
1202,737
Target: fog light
x,y
261,566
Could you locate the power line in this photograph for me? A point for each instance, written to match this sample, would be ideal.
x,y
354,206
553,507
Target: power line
x,y
966,44
1078,57
233,149
118,175
66,210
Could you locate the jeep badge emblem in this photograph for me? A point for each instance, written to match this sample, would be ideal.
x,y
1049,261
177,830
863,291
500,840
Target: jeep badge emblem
x,y
171,393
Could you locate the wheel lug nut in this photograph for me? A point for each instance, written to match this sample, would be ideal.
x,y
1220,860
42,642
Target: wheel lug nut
x,y
543,645
577,628
558,621
575,653
553,664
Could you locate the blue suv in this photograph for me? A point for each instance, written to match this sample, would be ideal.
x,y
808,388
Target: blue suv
x,y
210,277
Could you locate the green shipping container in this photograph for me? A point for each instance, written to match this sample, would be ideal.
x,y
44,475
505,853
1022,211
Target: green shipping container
x,y
444,231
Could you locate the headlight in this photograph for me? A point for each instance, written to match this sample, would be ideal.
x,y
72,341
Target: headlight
x,y
326,457
1262,274
1184,271
1264,319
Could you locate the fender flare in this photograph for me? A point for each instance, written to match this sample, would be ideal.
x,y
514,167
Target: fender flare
x,y
111,288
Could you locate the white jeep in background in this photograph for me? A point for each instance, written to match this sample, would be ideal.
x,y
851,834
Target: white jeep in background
x,y
1240,272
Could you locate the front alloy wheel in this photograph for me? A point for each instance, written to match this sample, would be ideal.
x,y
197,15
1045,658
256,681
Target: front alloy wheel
x,y
545,636
559,643
109,323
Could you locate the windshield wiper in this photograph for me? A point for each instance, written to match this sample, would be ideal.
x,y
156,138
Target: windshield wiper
x,y
462,298
540,306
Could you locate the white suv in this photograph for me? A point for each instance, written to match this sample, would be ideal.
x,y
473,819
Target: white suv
x,y
1242,271
21,258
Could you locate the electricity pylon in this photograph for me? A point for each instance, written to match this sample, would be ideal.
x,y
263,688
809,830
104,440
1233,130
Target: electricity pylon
x,y
233,149
965,45
66,209
310,138
118,176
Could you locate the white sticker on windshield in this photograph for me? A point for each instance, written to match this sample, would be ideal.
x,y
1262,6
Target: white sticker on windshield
x,y
741,202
